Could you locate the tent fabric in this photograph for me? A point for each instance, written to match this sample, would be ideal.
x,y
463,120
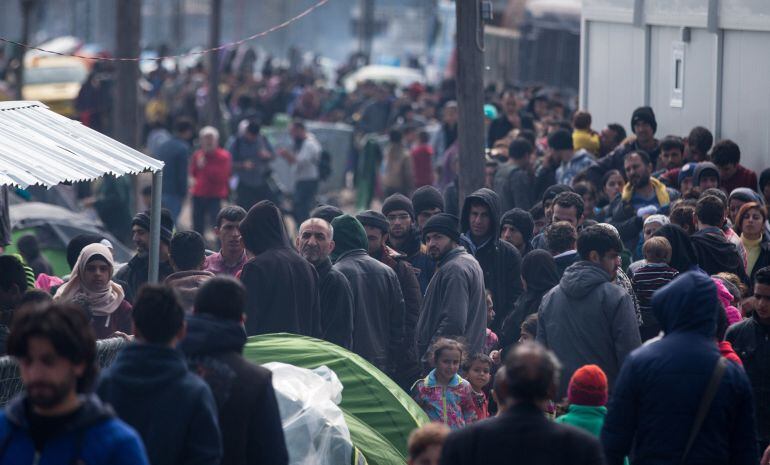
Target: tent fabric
x,y
40,147
368,395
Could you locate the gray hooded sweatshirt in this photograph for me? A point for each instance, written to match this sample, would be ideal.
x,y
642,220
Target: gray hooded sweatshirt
x,y
586,319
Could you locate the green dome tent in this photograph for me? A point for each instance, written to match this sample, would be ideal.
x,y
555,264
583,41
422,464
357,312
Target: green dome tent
x,y
379,414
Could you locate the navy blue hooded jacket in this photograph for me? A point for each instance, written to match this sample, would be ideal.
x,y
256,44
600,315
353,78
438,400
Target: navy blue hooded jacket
x,y
151,389
660,387
94,436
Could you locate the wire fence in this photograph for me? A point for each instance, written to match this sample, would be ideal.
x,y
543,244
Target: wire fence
x,y
10,380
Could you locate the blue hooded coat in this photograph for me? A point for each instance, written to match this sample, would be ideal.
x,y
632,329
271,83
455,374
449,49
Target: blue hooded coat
x,y
660,386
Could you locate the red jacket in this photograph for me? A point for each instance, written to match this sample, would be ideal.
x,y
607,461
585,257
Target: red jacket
x,y
743,177
726,349
211,173
422,165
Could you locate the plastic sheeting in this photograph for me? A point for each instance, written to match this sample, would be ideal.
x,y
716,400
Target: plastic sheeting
x,y
379,414
313,424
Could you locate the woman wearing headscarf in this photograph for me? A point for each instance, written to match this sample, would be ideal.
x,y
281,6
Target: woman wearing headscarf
x,y
91,286
538,274
683,256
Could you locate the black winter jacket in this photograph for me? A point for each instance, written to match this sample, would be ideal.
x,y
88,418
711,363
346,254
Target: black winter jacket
x,y
522,435
282,286
136,272
751,341
716,254
408,367
500,261
336,305
378,316
248,411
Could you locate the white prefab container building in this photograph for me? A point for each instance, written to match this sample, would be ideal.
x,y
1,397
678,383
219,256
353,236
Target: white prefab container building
x,y
695,62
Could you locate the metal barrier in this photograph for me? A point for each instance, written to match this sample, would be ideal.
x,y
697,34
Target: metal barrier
x,y
10,380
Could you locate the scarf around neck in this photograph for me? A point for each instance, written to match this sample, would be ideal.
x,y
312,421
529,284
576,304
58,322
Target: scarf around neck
x,y
660,192
101,302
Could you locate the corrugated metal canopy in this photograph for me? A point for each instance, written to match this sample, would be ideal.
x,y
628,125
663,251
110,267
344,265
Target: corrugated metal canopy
x,y
40,147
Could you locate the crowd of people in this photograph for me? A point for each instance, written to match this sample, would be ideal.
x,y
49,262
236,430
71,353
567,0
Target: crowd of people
x,y
618,285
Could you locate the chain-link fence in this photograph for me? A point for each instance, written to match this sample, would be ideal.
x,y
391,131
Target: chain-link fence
x,y
10,381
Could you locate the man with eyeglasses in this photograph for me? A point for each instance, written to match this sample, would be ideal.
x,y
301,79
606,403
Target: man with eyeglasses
x,y
405,238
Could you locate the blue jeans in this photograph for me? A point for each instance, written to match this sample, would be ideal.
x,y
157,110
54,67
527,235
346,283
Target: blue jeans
x,y
304,199
173,203
205,210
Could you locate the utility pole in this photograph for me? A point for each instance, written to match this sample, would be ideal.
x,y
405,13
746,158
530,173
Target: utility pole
x,y
470,96
177,25
366,29
128,24
27,7
215,113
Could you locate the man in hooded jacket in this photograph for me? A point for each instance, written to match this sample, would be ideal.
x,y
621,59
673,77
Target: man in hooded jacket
x,y
500,261
378,305
248,410
659,390
586,319
282,286
715,252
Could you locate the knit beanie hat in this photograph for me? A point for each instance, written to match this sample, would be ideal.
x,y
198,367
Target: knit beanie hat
x,y
442,223
397,202
326,212
349,234
561,139
588,386
521,220
687,171
374,219
555,190
703,168
657,218
425,198
644,114
166,223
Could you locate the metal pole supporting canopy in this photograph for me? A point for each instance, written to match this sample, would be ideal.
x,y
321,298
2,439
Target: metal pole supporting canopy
x,y
157,186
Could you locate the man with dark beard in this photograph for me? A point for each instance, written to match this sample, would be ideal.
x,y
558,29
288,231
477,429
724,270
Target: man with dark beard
x,y
376,227
642,196
314,242
56,420
404,237
136,272
455,304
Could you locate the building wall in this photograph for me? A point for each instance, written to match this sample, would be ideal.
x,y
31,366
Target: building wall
x,y
698,83
617,72
627,62
746,98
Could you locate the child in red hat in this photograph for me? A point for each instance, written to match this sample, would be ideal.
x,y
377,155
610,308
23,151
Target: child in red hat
x,y
587,394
